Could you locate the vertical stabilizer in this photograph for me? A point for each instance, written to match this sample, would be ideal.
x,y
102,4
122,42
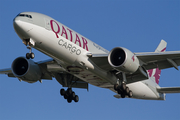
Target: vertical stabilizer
x,y
154,74
161,47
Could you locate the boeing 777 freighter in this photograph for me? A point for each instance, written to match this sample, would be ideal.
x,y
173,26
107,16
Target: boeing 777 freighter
x,y
77,61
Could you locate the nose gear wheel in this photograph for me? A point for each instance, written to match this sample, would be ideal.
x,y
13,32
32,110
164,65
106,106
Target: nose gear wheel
x,y
30,54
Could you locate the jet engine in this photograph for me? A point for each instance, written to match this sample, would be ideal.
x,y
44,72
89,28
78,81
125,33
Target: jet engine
x,y
123,60
26,70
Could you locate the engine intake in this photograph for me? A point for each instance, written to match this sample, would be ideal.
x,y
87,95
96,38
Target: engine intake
x,y
26,70
123,59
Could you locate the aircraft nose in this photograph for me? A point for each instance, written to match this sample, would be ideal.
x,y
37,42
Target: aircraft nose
x,y
15,24
20,28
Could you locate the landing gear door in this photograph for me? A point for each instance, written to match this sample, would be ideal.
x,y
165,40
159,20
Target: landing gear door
x,y
47,24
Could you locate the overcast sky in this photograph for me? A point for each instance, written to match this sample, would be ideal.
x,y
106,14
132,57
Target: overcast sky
x,y
136,25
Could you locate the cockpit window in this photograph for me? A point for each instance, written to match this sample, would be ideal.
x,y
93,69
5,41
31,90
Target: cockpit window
x,y
25,15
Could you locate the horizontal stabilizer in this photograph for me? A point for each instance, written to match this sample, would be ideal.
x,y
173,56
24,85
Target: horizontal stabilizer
x,y
117,96
169,90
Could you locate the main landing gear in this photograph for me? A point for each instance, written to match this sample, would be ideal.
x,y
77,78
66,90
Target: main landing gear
x,y
30,54
122,89
69,95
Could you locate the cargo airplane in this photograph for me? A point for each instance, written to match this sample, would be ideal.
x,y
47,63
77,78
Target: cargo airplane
x,y
77,61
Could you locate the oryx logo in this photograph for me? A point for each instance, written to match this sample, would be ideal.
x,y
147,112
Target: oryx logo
x,y
155,73
133,58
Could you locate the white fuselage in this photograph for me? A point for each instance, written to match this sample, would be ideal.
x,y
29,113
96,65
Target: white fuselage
x,y
70,50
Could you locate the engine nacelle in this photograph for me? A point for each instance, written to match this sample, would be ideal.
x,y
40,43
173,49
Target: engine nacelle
x,y
123,60
26,70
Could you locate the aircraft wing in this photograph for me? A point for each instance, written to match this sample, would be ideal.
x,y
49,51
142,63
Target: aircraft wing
x,y
169,90
6,71
9,72
161,59
52,69
101,60
148,60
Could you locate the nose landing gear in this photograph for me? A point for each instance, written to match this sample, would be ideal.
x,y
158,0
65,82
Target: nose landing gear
x,y
29,43
30,54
